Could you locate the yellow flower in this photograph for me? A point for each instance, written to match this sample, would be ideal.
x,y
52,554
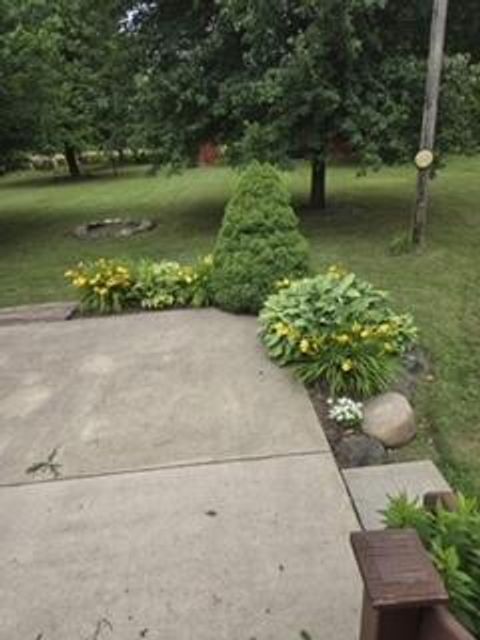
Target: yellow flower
x,y
188,279
314,347
208,260
384,329
80,281
103,291
281,329
347,365
304,345
356,327
337,272
366,333
343,339
69,273
389,348
282,284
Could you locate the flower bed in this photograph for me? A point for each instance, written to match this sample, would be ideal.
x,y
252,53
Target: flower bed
x,y
339,329
112,286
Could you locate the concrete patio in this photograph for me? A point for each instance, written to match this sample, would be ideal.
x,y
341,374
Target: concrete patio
x,y
160,479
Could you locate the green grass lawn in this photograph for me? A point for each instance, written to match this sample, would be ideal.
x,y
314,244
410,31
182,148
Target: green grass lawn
x,y
38,214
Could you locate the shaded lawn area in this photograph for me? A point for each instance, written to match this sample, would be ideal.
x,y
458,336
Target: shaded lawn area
x,y
38,213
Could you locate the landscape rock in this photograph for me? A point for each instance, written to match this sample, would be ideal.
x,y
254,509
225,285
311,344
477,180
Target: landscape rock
x,y
390,419
360,451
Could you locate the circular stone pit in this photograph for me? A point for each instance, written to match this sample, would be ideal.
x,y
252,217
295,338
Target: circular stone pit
x,y
112,228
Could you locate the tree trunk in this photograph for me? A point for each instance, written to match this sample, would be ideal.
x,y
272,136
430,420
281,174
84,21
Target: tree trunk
x,y
72,162
318,198
419,221
430,114
114,164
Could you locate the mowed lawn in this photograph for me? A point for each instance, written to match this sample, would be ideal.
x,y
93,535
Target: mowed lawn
x,y
441,287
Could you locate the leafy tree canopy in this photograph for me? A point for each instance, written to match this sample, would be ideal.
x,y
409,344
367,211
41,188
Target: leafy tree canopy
x,y
271,80
64,81
275,80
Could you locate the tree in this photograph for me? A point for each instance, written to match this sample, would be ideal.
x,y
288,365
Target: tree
x,y
25,77
65,81
270,80
276,80
88,107
272,75
259,243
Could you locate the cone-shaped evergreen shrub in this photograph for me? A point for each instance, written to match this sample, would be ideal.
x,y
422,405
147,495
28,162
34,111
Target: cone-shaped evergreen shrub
x,y
259,243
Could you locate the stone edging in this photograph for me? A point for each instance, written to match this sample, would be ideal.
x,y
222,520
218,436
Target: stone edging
x,y
49,312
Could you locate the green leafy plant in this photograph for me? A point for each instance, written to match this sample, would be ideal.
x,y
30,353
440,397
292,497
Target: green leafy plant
x,y
452,539
109,286
162,285
339,329
400,244
105,286
259,242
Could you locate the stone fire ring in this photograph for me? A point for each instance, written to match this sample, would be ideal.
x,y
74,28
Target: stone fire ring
x,y
113,228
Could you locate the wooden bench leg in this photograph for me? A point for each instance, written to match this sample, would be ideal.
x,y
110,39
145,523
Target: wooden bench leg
x,y
389,624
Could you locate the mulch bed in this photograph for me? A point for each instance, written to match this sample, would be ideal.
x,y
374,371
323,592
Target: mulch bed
x,y
417,366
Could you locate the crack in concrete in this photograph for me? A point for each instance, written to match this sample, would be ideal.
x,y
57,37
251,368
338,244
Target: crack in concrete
x,y
168,467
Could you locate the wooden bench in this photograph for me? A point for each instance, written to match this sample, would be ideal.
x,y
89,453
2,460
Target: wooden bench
x,y
404,596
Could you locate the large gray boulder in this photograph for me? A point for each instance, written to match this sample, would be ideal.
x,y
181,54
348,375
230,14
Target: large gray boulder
x,y
390,419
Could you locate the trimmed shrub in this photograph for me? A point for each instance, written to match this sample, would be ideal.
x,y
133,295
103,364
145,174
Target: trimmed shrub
x,y
338,329
259,243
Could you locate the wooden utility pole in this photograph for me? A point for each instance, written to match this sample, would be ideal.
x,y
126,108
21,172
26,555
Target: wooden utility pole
x,y
427,139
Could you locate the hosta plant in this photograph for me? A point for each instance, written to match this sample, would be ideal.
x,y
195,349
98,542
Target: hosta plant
x,y
453,541
105,286
338,329
163,285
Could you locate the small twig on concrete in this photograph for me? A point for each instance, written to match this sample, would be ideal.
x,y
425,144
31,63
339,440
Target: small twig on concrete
x,y
102,624
48,466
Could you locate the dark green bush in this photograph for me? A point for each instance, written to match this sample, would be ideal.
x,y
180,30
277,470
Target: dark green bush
x,y
259,243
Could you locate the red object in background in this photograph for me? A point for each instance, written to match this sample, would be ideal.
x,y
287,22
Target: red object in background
x,y
341,149
209,154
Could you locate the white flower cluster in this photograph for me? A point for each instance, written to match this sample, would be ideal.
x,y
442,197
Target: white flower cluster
x,y
346,411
